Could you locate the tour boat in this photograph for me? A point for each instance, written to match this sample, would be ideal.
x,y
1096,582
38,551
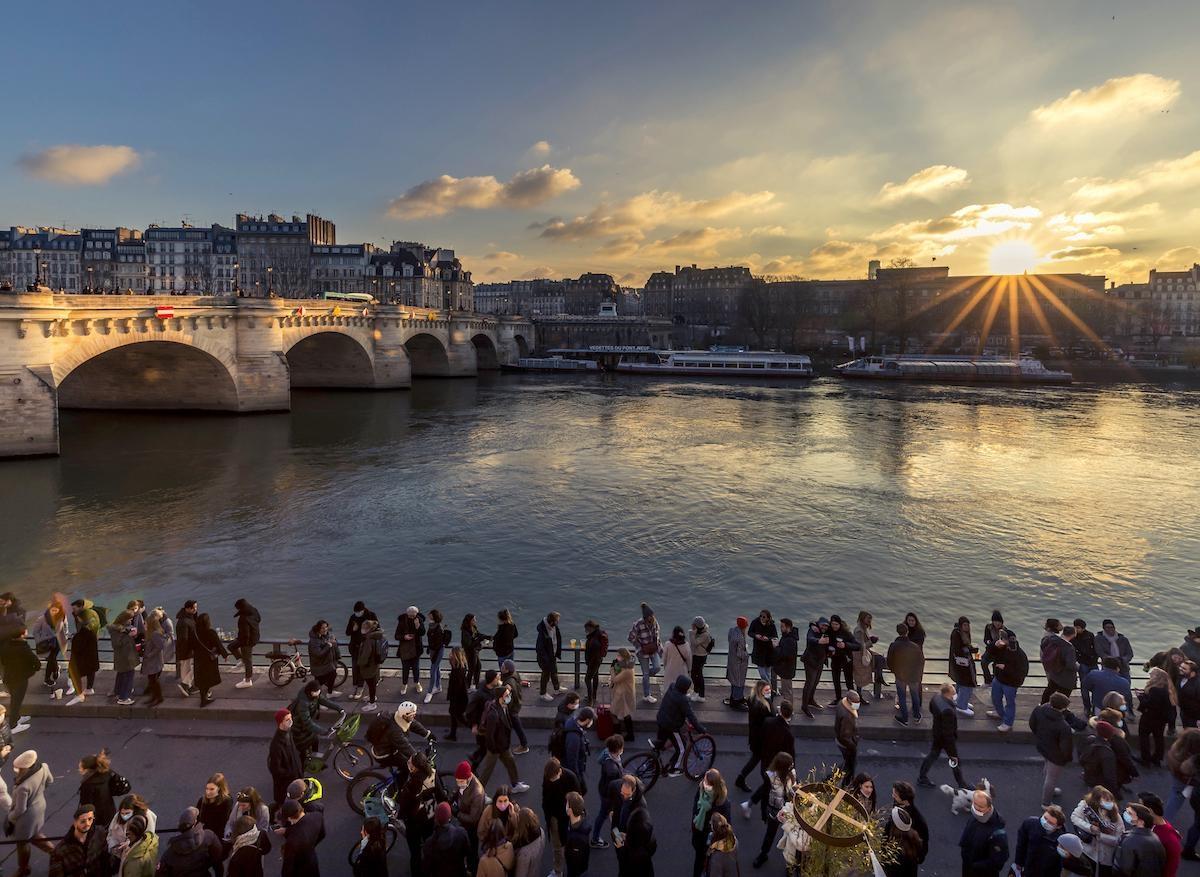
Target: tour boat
x,y
551,364
953,369
717,362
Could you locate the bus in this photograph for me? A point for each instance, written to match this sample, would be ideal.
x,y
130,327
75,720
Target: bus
x,y
360,297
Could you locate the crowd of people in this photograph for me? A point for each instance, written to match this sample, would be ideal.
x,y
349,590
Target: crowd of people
x,y
1114,829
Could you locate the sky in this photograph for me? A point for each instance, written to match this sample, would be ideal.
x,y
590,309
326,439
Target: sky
x,y
548,139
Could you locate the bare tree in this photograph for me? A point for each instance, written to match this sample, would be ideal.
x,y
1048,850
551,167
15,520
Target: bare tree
x,y
755,309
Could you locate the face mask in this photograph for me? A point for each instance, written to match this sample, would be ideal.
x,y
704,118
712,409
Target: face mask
x,y
505,700
1128,817
854,707
125,817
982,816
767,693
1062,852
1108,805
502,807
359,614
1124,708
1046,824
462,784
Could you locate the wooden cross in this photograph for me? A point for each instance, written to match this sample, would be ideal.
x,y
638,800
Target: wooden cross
x,y
829,810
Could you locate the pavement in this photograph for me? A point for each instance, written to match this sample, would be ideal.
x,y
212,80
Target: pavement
x,y
168,761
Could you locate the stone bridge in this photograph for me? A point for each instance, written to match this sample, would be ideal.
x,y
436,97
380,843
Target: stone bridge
x,y
220,354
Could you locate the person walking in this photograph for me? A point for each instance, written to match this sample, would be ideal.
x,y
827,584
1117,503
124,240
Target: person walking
x,y
368,658
205,653
711,799
1154,706
477,702
50,636
354,630
473,642
549,651
776,737
608,786
1110,643
865,659
907,663
20,664
1087,657
457,691
595,650
737,664
622,682
437,638
677,656
504,640
701,643
762,634
84,661
840,648
962,666
633,834
984,842
185,644
1053,725
27,813
776,791
515,685
815,655
529,844
323,655
845,731
497,734
125,658
1059,660
153,655
99,784
646,640
944,737
284,761
758,712
1010,667
410,629
578,851
445,852
81,852
249,622
786,652
557,782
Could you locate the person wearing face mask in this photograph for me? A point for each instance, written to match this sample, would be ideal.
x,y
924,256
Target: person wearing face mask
x,y
501,813
944,718
468,801
984,841
1097,822
283,758
1037,844
1139,853
497,736
131,805
354,630
845,730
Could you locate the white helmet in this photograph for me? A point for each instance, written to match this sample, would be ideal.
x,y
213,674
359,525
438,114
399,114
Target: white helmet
x,y
405,713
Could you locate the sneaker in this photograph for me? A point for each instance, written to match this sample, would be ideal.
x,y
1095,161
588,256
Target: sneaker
x,y
429,697
746,809
691,695
370,708
245,683
968,713
184,690
520,750
674,772
437,690
47,684
649,698
1057,792
405,691
125,701
20,728
420,688
357,694
1004,727
917,719
599,844
992,714
562,689
900,721
89,691
547,697
520,787
76,699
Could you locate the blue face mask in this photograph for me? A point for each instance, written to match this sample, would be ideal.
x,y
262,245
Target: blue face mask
x,y
1047,824
1127,817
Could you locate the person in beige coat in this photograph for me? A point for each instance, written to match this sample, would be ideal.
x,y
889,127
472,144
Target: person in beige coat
x,y
622,680
864,661
677,656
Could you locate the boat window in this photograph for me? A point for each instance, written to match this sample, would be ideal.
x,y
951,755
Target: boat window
x,y
758,364
745,365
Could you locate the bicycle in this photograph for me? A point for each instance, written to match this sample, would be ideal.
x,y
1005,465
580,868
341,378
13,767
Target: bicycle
x,y
699,753
374,789
284,668
348,756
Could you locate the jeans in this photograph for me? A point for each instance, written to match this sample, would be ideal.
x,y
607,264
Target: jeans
x,y
764,673
1175,801
698,662
1083,692
124,684
963,700
246,654
500,659
904,693
785,690
1193,834
435,670
1050,774
1004,701
602,814
736,693
650,666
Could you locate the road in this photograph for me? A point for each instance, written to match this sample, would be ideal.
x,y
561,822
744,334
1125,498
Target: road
x,y
168,762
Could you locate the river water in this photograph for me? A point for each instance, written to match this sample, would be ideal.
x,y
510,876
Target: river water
x,y
588,494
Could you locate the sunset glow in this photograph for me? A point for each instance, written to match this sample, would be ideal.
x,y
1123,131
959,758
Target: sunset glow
x,y
1012,257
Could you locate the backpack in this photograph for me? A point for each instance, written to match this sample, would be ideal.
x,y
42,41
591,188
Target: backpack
x,y
603,643
102,614
1052,658
447,638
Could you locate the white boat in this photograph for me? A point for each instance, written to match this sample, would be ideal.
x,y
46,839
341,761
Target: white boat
x,y
953,369
717,362
551,364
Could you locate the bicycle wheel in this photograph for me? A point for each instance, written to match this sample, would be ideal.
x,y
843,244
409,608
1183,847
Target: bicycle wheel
x,y
365,783
281,672
340,674
645,767
350,758
700,756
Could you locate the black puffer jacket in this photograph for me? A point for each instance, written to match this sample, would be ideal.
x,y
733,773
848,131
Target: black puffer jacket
x,y
248,623
1052,731
195,852
675,708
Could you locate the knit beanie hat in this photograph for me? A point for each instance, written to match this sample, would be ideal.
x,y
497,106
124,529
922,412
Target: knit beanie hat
x,y
743,622
281,714
647,612
463,771
1071,843
1105,730
442,814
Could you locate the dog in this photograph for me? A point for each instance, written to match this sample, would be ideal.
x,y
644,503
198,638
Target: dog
x,y
960,799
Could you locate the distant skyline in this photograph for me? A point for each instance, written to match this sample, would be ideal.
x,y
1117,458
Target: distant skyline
x,y
541,139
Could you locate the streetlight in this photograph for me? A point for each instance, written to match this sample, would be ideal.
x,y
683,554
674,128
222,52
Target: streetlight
x,y
270,288
89,271
236,289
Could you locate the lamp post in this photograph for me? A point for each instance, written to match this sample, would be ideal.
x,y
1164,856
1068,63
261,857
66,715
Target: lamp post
x,y
270,287
236,289
41,272
89,286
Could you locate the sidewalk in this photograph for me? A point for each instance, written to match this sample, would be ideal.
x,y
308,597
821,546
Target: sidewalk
x,y
260,702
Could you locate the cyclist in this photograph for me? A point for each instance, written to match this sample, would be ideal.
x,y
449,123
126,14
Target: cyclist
x,y
389,738
305,709
674,713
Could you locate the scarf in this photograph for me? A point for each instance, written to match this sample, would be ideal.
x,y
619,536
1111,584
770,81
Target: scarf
x,y
245,839
1111,649
703,806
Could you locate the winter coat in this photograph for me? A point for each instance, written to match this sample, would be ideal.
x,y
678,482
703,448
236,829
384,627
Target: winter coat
x,y
18,660
142,858
677,660
984,847
323,655
283,758
435,639
623,682
43,631
844,656
1099,764
864,660
409,649
1098,830
504,641
636,856
675,708
1124,651
1009,663
1140,854
354,628
214,815
1189,702
300,846
762,651
554,798
576,751
577,849
456,689
738,662
73,858
125,656
185,635
1067,674
593,649
906,661
845,727
1154,704
305,711
1085,649
700,641
527,860
786,652
724,808
990,635
115,838
85,647
152,654
512,682
445,852
961,660
1052,731
96,789
645,637
944,718
758,711
208,667
814,652
471,801
28,811
497,727
1037,849
370,655
248,624
722,859
497,862
776,737
548,645
1100,682
247,860
196,852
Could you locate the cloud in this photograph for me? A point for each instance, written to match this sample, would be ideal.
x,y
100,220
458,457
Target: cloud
x,y
1087,225
698,241
1178,259
501,256
75,165
926,183
1168,174
972,221
1078,254
648,210
1113,101
541,148
769,231
445,194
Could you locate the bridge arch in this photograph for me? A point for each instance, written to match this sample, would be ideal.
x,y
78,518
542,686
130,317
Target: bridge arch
x,y
428,356
486,356
329,359
522,345
155,374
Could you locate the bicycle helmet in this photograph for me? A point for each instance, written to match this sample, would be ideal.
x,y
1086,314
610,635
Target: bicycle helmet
x,y
405,713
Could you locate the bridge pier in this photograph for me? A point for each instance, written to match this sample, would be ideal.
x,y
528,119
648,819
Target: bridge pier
x,y
461,362
29,408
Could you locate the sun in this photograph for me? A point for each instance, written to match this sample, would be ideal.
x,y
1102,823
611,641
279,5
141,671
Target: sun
x,y
1013,257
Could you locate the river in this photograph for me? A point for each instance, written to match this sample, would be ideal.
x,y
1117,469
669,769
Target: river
x,y
588,494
